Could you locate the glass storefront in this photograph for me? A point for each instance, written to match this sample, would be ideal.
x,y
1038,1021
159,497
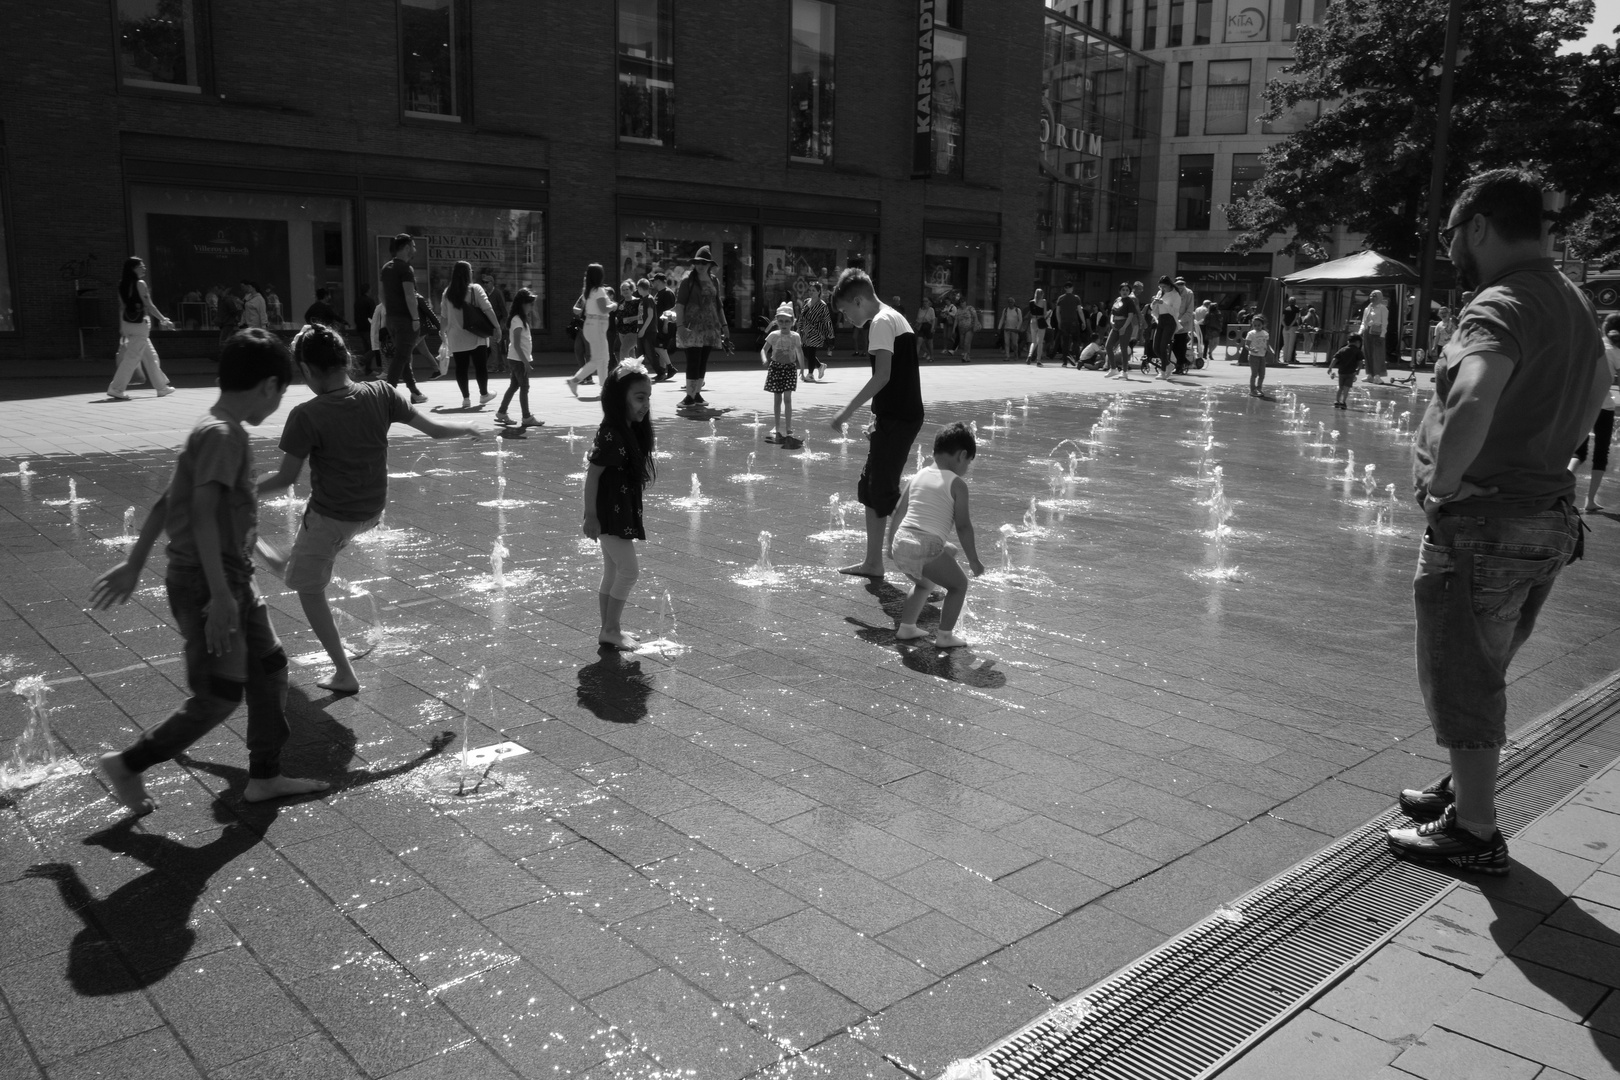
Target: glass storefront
x,y
202,245
810,82
967,267
1099,154
1228,279
794,258
506,246
647,245
157,44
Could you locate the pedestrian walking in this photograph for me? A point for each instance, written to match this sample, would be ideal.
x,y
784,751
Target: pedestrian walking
x,y
1036,319
254,312
403,318
595,309
467,319
967,321
665,317
926,316
1290,329
519,356
1310,324
1603,430
503,318
627,320
1011,325
1520,385
815,332
135,315
700,325
1122,317
1066,310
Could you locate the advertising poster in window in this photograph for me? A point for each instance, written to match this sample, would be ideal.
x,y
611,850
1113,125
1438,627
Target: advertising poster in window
x,y
949,113
208,254
505,248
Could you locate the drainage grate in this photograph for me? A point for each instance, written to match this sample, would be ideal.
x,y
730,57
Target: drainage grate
x,y
1189,1007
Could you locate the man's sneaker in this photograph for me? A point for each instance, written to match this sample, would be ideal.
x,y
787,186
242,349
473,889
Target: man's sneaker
x,y
1428,803
418,399
1444,841
502,418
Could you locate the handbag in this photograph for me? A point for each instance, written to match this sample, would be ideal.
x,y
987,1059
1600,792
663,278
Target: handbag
x,y
475,322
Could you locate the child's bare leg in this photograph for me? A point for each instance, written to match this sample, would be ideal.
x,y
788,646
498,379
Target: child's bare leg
x,y
787,410
946,572
319,614
872,565
619,573
912,608
776,413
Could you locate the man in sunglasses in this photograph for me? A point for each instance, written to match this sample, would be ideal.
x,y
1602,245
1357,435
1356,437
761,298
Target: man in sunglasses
x,y
1516,390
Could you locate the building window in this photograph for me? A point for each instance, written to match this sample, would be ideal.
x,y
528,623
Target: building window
x,y
1172,33
950,89
949,13
1184,87
1195,188
646,72
1127,11
1123,182
1226,109
810,84
1142,80
1246,170
649,245
433,62
505,247
797,258
1297,13
1295,119
1202,12
967,267
200,246
157,45
1150,25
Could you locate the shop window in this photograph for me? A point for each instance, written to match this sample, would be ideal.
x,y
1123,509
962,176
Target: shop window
x,y
1150,26
158,45
1297,13
1202,13
810,83
433,59
1300,116
967,267
797,258
1246,172
1195,190
201,247
1226,109
649,245
1172,33
505,247
1124,182
1184,88
949,105
647,72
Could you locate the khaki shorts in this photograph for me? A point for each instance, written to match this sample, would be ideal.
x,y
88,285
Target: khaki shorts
x,y
315,551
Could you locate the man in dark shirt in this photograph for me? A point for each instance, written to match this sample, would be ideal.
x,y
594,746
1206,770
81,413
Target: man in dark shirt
x,y
1067,307
663,300
1518,388
321,311
399,301
1290,328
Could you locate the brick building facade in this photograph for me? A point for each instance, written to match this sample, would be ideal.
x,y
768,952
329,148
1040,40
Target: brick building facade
x,y
222,140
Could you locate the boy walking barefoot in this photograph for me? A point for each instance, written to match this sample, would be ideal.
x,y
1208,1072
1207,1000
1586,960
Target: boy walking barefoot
x,y
343,432
895,391
933,501
231,650
1345,363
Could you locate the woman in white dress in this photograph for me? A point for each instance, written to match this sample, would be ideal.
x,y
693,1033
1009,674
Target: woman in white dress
x,y
598,307
135,325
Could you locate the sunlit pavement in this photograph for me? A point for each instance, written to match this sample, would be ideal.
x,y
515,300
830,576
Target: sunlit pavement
x,y
781,844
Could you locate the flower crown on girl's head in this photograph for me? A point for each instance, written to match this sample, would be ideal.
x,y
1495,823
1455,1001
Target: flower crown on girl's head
x,y
634,367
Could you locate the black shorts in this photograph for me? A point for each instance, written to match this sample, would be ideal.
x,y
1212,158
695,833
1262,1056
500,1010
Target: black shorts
x,y
891,440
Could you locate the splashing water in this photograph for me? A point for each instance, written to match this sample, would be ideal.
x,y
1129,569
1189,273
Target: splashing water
x,y
129,520
1006,410
763,566
1054,479
35,757
497,563
1220,512
697,489
1074,465
835,512
1367,480
1349,476
1030,523
1007,532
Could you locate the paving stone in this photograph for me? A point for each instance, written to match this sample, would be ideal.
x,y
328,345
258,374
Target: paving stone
x,y
956,1018
312,1056
1606,1017
1396,994
1442,1055
435,940
1469,931
738,896
1541,878
1312,1047
1077,951
1053,886
597,882
839,890
1578,830
845,1055
1601,888
35,920
799,1012
381,1017
59,1019
226,1007
683,1029
1078,850
973,901
1520,1030
1175,897
705,952
849,840
294,930
1334,807
573,950
939,943
1556,993
151,1055
1263,848
469,1059
15,1059
1601,792
740,838
854,965
1572,953
1589,919
535,1026
352,868
476,877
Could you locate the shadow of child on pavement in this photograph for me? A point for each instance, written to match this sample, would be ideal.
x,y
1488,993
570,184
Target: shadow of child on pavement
x,y
614,688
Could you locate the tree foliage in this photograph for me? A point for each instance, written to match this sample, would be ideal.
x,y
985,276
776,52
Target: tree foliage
x,y
1375,64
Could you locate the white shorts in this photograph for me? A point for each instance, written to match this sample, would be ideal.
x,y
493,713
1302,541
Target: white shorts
x,y
911,551
315,551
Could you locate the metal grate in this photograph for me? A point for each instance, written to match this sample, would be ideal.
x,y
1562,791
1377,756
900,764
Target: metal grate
x,y
1189,1007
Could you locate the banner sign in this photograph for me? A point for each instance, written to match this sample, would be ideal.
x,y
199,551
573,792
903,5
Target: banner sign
x,y
922,146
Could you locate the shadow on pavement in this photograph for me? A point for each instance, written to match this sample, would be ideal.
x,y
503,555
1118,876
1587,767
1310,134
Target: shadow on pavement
x,y
614,688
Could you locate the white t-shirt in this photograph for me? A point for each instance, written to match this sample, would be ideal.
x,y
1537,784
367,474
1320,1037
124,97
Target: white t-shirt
x,y
521,344
886,325
1258,342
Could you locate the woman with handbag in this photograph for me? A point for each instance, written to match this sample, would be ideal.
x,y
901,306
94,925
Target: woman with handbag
x,y
135,327
468,321
595,308
701,325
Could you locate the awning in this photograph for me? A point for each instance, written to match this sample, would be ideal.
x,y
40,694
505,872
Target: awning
x,y
1363,268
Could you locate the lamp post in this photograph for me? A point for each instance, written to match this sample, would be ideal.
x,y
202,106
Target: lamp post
x,y
1437,180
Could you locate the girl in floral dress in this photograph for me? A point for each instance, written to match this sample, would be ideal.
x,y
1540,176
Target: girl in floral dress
x,y
621,464
701,326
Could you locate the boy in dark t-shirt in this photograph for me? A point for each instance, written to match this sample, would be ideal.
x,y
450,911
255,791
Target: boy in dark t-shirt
x,y
663,329
895,391
1345,363
231,651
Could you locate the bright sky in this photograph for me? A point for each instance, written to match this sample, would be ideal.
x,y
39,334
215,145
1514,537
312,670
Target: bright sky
x,y
1601,32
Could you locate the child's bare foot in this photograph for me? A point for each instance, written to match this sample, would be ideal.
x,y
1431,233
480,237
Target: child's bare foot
x,y
862,570
619,639
279,787
340,683
127,787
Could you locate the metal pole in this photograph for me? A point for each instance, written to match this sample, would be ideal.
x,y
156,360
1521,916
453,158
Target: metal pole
x,y
1437,181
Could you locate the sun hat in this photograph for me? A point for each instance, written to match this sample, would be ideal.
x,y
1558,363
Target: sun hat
x,y
785,311
702,255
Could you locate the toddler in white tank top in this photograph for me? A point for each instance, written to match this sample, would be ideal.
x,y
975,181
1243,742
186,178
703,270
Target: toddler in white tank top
x,y
932,503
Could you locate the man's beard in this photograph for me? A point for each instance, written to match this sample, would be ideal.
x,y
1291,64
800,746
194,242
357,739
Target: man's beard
x,y
1467,269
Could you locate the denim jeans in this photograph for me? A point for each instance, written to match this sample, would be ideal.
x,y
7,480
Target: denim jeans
x,y
254,666
399,361
1480,584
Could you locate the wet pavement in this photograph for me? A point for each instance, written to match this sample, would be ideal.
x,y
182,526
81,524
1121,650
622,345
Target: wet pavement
x,y
779,843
